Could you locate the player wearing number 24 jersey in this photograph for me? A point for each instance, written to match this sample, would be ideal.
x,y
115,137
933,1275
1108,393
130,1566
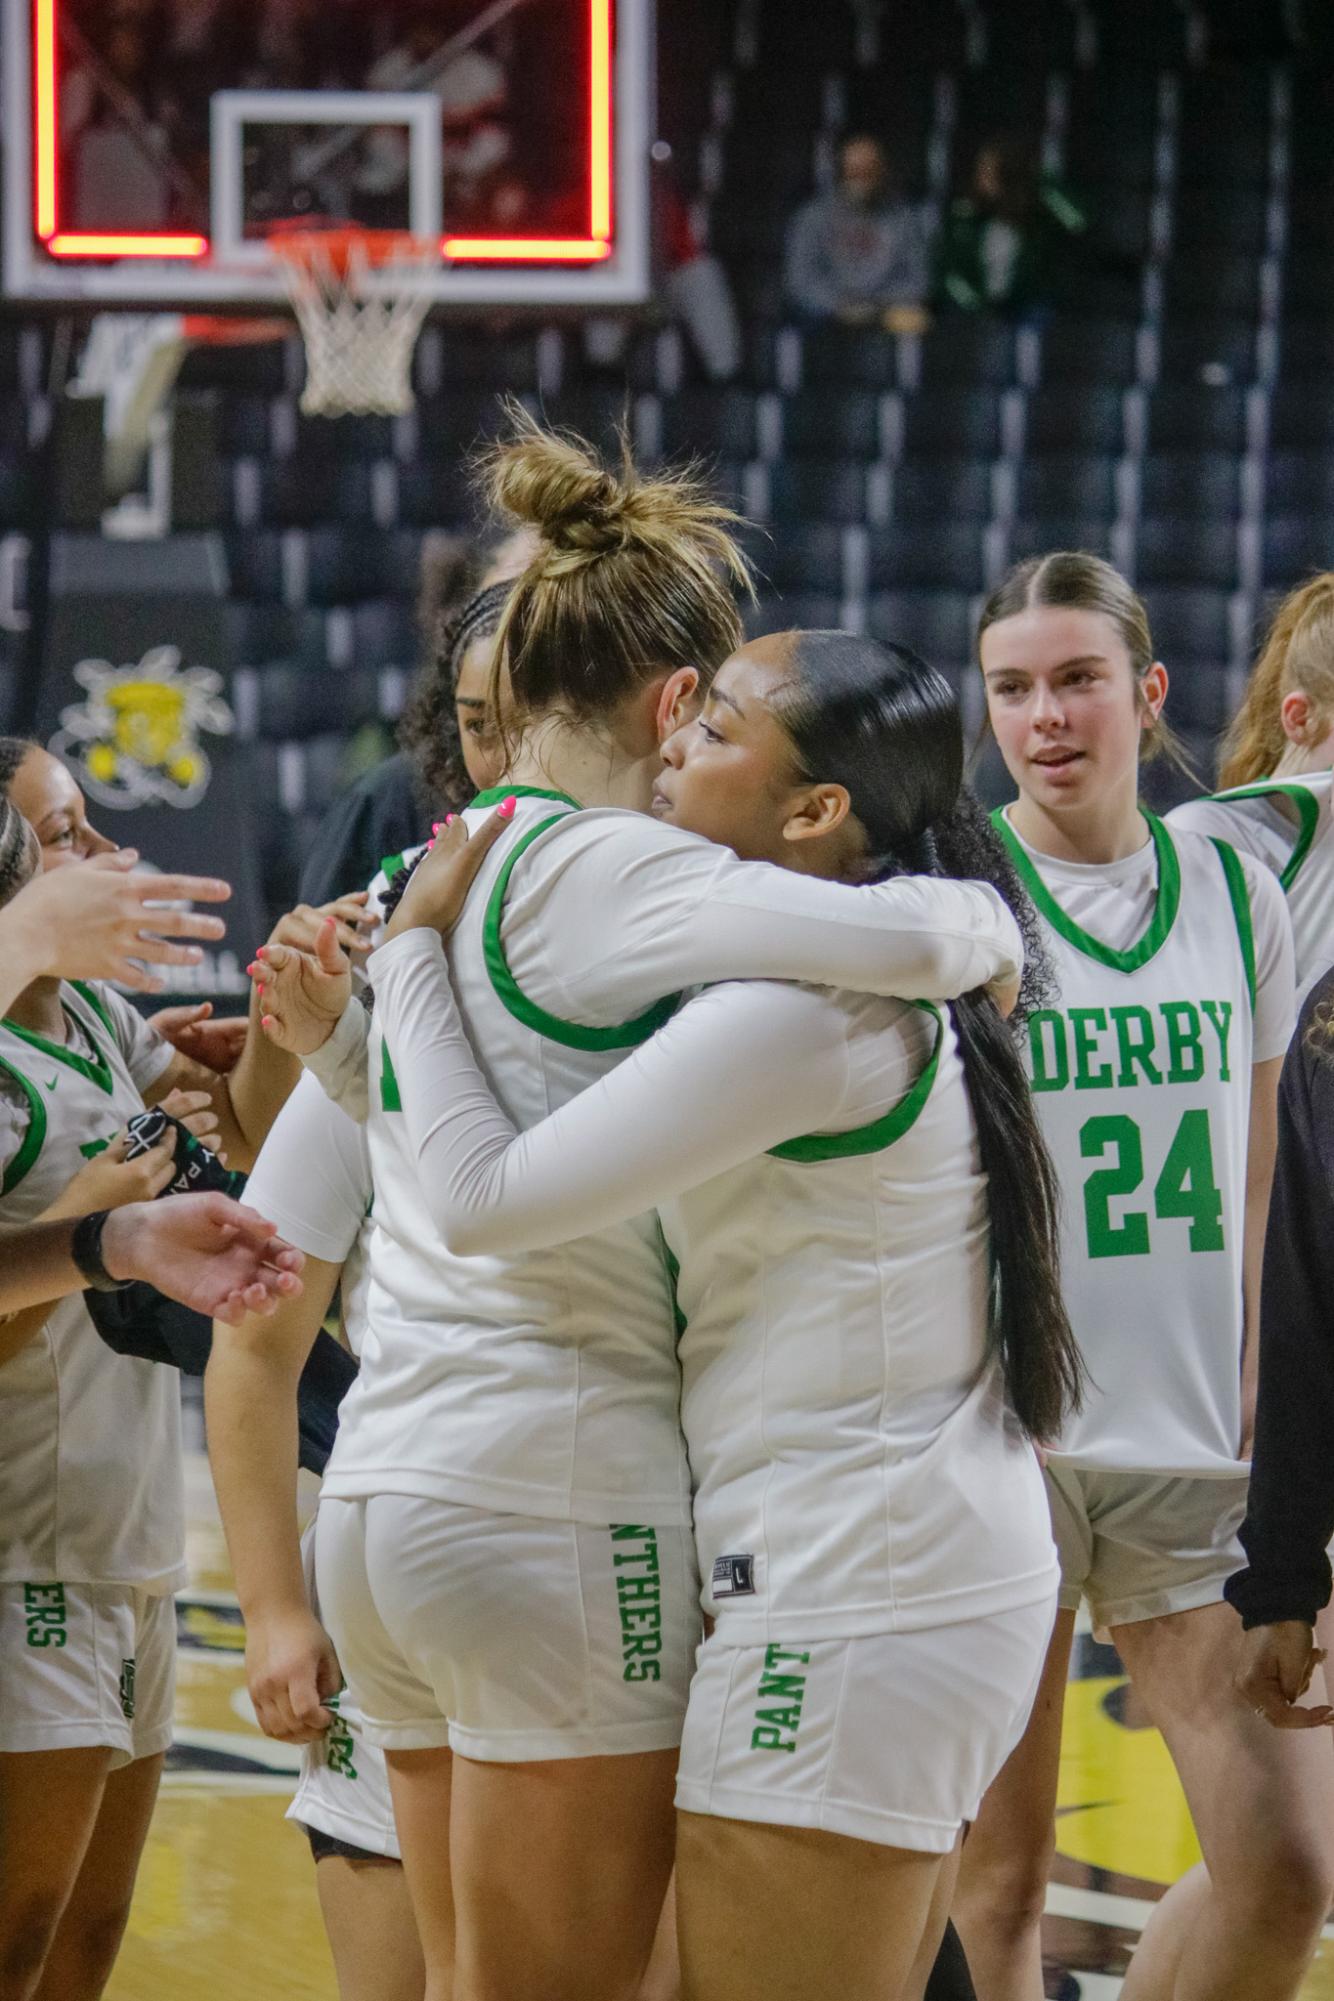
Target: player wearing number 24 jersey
x,y
1154,1069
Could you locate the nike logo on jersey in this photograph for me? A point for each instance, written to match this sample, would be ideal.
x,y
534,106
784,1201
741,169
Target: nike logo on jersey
x,y
54,1081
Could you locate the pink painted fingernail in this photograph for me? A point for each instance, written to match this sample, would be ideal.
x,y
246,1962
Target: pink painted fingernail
x,y
266,1021
505,810
436,825
450,818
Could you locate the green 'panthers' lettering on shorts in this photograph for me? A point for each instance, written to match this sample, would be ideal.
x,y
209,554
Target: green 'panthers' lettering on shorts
x,y
127,1690
47,1615
339,1744
639,1601
781,1694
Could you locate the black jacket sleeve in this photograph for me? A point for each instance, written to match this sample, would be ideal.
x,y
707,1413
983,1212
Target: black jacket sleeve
x,y
380,815
1290,1512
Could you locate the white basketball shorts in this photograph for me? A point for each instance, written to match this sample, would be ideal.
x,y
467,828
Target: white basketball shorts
x,y
1144,1545
343,1790
507,1637
890,1737
86,1664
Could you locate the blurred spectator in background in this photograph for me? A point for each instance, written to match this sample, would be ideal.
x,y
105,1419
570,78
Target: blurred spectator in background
x,y
859,253
1005,245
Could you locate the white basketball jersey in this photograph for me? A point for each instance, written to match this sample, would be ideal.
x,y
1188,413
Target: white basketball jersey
x,y
544,1383
1141,1074
1298,850
91,1485
857,1468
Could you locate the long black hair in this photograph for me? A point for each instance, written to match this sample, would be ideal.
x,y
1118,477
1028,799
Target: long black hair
x,y
879,721
15,851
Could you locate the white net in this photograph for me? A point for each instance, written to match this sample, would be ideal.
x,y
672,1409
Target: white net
x,y
359,336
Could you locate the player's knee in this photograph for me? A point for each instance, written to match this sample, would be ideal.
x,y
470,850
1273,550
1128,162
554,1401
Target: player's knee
x,y
1288,1888
90,1941
26,1934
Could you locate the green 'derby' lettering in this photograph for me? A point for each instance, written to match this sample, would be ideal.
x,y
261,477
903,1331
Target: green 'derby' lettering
x,y
1093,1048
782,1692
47,1615
639,1602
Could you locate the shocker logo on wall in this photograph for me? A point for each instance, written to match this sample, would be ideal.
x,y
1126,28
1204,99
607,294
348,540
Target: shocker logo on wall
x,y
136,740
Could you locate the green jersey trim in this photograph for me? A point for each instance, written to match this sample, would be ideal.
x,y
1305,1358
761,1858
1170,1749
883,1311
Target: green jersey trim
x,y
494,794
97,1069
1308,818
34,1138
1167,901
881,1132
391,865
573,1035
1240,895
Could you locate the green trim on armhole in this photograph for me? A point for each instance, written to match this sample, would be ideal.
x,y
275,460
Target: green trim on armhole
x,y
881,1132
1239,892
1308,815
33,1139
1166,904
99,1007
573,1035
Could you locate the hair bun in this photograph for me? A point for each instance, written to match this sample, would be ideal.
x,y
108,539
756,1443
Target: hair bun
x,y
556,486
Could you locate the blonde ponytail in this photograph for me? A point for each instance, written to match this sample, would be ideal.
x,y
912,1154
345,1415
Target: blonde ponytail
x,y
1298,653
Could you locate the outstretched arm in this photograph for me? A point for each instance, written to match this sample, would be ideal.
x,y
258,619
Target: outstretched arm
x,y
739,1069
206,1251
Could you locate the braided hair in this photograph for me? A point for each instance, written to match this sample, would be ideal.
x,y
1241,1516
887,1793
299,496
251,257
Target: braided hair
x,y
15,851
429,731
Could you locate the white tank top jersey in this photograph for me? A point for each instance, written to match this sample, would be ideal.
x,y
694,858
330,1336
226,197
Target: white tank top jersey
x,y
547,1383
1288,824
856,1467
1174,975
312,1181
91,1485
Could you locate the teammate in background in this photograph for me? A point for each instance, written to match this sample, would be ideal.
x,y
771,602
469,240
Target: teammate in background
x,y
514,1431
91,1506
315,1169
448,744
862,1218
1276,804
246,1098
1154,1072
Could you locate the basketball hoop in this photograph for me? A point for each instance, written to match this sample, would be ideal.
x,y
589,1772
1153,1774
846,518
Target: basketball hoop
x,y
359,336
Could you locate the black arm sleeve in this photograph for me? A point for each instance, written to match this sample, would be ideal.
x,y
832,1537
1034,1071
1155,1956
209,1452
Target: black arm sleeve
x,y
1290,1512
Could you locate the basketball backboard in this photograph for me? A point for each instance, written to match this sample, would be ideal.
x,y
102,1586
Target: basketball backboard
x,y
516,134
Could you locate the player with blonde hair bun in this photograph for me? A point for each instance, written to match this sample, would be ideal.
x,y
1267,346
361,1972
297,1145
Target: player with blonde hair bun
x,y
504,1552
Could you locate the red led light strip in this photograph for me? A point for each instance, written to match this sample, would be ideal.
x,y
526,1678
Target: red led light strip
x,y
461,249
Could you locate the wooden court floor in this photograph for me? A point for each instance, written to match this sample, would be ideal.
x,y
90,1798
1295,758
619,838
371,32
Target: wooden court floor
x,y
226,1897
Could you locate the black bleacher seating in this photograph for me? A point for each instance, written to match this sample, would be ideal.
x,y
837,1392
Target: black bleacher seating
x,y
810,611
1295,545
1038,535
1069,416
804,556
1186,484
1299,482
1209,348
969,353
816,489
942,489
1190,624
1186,416
850,357
936,624
1074,484
1301,416
925,554
828,420
720,421
1186,549
956,421
1084,350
